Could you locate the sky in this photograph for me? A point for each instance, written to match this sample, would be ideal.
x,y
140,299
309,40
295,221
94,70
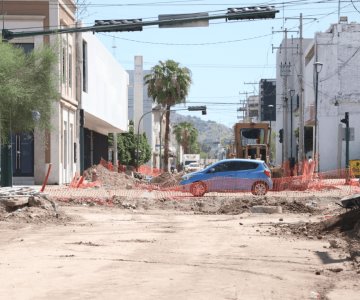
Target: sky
x,y
226,59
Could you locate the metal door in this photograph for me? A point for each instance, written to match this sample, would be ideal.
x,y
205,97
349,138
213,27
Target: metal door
x,y
23,154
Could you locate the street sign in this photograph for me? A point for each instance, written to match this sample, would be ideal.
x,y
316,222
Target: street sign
x,y
184,20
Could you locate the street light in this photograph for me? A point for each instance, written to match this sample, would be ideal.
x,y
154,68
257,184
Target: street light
x,y
317,68
155,109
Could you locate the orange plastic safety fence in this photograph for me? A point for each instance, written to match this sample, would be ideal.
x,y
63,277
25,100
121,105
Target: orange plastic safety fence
x,y
146,170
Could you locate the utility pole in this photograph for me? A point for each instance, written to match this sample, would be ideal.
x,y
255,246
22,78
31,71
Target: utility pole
x,y
285,104
285,71
301,96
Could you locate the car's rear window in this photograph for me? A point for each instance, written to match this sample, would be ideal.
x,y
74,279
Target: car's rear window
x,y
243,165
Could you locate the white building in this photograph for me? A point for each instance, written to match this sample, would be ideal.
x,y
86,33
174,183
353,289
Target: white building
x,y
338,92
104,98
337,50
288,77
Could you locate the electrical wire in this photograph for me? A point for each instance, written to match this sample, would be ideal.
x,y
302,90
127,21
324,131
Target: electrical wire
x,y
352,2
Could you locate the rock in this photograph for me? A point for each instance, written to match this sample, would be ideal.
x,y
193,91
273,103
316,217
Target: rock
x,y
266,209
35,201
336,270
15,202
334,244
129,186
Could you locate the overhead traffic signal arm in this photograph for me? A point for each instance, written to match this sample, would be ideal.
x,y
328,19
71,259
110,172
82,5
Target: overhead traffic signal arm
x,y
243,13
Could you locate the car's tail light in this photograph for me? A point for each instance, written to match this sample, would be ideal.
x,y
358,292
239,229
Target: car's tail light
x,y
267,173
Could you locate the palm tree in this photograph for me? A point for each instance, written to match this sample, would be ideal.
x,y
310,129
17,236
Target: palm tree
x,y
186,135
168,84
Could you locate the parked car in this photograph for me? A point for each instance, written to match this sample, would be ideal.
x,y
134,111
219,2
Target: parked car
x,y
192,167
229,175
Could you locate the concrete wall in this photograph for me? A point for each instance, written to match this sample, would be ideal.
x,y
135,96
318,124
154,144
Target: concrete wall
x,y
106,101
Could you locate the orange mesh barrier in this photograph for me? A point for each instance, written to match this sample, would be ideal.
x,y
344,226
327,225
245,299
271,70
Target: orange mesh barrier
x,y
146,170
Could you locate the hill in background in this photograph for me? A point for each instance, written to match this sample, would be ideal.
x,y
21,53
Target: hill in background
x,y
210,132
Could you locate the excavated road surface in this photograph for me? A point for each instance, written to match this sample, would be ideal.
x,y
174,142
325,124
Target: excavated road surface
x,y
111,253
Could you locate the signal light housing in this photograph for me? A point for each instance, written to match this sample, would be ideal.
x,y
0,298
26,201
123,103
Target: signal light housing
x,y
124,25
254,12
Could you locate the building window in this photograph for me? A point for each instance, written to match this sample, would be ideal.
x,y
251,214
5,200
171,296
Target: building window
x,y
27,47
63,68
85,67
70,68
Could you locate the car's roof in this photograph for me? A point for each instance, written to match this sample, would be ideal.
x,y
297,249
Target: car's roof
x,y
242,160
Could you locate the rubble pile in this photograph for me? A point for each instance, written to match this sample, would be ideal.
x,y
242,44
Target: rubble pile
x,y
107,178
167,179
342,231
299,207
24,204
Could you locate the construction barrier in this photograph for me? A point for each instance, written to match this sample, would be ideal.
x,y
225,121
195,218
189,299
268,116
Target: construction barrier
x,y
106,185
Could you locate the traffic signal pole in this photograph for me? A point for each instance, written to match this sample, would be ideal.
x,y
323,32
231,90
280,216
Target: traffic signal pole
x,y
347,140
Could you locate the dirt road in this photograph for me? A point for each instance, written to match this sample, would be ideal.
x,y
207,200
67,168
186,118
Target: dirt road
x,y
112,253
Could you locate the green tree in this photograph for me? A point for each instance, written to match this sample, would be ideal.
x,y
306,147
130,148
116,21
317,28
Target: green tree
x,y
127,147
168,84
28,89
27,84
186,135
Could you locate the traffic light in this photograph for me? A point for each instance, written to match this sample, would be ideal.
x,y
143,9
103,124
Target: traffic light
x,y
198,108
118,25
281,136
346,119
254,12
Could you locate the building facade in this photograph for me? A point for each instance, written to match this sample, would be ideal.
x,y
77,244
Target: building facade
x,y
85,90
323,79
332,63
289,65
104,98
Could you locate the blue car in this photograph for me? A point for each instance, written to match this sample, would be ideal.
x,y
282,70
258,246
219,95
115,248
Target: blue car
x,y
229,175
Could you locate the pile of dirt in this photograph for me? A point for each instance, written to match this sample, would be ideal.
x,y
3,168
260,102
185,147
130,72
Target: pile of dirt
x,y
39,212
298,207
107,178
211,204
167,179
342,231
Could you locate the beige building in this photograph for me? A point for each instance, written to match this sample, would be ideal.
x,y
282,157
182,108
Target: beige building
x,y
93,101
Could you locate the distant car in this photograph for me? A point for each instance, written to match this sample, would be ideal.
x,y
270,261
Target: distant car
x,y
229,175
192,167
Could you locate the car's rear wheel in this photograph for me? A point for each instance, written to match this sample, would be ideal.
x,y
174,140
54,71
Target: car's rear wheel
x,y
259,188
198,189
